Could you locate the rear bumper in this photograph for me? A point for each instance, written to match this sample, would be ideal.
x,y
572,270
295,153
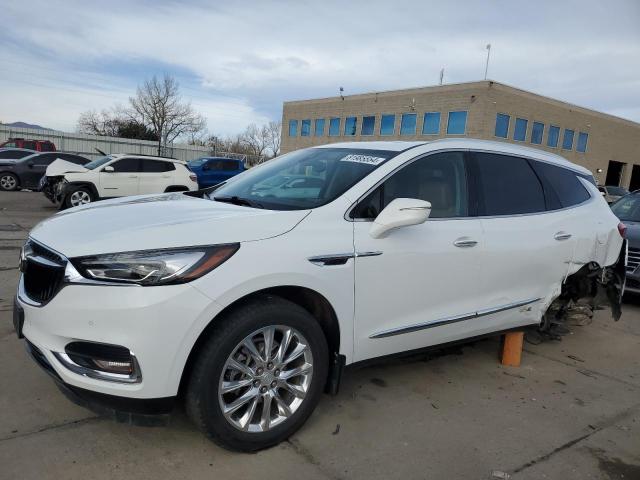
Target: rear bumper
x,y
146,412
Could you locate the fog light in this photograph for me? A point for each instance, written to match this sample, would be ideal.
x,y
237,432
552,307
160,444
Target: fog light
x,y
124,368
102,361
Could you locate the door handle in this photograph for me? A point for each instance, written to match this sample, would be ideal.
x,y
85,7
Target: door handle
x,y
133,176
562,236
465,242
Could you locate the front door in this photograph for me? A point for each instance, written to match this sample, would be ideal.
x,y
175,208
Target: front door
x,y
123,180
419,285
36,167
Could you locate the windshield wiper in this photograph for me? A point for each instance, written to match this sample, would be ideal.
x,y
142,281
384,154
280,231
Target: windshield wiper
x,y
235,200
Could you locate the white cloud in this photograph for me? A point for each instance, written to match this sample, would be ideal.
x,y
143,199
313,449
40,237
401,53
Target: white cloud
x,y
247,57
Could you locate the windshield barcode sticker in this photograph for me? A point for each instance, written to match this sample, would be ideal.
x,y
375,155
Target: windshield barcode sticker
x,y
367,159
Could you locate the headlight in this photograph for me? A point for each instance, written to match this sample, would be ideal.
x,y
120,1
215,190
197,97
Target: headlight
x,y
154,267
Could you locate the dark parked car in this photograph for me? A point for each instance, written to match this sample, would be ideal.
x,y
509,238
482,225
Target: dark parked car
x,y
627,209
612,193
27,169
214,170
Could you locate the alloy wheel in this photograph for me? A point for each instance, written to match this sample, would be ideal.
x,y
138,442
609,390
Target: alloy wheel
x,y
8,182
265,379
79,197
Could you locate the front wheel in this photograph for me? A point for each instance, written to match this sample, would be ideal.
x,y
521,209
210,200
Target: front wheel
x,y
259,376
79,196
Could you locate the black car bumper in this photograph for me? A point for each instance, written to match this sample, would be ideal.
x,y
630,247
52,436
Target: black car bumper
x,y
134,411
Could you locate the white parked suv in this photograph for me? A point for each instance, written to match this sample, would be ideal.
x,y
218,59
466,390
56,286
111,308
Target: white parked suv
x,y
116,175
248,305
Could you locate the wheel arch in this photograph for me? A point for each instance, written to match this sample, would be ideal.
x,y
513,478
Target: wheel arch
x,y
312,301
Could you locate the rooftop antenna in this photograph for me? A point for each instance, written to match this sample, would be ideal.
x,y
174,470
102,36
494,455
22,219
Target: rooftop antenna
x,y
441,75
412,107
341,93
486,68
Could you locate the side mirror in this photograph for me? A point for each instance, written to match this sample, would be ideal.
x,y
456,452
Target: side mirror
x,y
108,169
205,166
401,212
30,163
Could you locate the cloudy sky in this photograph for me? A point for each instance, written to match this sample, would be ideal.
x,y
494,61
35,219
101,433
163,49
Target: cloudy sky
x,y
237,61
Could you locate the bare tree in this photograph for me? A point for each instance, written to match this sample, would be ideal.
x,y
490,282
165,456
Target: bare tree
x,y
158,105
256,139
104,123
274,134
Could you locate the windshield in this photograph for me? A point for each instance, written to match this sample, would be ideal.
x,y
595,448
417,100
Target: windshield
x,y
617,191
303,179
97,162
627,208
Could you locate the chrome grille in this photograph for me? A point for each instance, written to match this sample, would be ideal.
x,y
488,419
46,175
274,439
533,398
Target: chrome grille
x,y
42,272
633,259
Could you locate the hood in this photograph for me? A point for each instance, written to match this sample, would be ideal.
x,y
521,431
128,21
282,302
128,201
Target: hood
x,y
60,167
159,221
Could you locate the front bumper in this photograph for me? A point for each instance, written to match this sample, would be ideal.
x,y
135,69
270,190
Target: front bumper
x,y
158,324
146,412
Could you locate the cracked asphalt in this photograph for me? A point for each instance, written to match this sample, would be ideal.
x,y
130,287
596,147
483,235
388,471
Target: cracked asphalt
x,y
571,411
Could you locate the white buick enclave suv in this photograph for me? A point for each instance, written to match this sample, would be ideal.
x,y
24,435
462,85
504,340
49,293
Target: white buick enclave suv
x,y
247,302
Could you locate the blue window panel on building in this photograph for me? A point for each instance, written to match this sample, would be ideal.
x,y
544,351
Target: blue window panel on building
x,y
305,128
334,127
502,125
457,123
319,127
368,125
388,125
350,126
582,142
520,131
431,124
408,124
537,132
554,135
293,128
567,139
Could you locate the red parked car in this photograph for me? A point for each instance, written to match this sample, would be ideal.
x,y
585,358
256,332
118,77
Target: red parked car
x,y
37,145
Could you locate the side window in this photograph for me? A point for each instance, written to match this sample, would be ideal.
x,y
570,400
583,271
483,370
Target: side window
x,y
565,184
45,159
439,178
126,165
507,185
229,165
73,159
156,166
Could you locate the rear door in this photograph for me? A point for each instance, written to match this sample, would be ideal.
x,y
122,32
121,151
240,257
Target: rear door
x,y
123,180
156,176
527,248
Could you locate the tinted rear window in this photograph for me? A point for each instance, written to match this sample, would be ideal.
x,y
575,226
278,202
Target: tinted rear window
x,y
565,183
155,166
507,186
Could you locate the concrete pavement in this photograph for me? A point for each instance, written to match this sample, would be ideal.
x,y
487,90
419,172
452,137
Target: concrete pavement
x,y
572,411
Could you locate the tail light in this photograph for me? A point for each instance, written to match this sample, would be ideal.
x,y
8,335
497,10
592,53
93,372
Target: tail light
x,y
193,177
622,229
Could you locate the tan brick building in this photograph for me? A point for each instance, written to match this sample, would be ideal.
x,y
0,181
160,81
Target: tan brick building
x,y
609,146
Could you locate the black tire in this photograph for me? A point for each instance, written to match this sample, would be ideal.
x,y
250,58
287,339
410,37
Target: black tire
x,y
9,182
202,400
68,202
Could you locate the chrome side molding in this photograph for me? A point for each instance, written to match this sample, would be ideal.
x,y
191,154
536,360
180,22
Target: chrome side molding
x,y
446,321
339,258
